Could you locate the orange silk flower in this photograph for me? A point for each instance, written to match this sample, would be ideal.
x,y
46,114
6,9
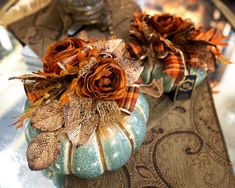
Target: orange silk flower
x,y
59,51
105,81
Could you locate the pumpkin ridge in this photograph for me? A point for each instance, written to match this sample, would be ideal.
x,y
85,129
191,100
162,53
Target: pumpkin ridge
x,y
101,151
69,162
128,135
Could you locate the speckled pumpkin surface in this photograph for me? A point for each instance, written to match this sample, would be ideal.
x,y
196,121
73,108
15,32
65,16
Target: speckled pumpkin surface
x,y
156,73
109,148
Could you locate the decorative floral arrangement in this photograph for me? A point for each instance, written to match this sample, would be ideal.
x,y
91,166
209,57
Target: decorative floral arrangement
x,y
87,84
84,84
175,44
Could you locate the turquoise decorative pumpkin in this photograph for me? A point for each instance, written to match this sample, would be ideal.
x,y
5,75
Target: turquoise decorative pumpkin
x,y
109,148
168,82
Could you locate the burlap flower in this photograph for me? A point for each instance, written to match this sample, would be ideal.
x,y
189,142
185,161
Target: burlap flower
x,y
167,25
59,51
106,80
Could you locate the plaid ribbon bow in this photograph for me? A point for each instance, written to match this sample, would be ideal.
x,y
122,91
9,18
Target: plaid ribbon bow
x,y
174,65
127,103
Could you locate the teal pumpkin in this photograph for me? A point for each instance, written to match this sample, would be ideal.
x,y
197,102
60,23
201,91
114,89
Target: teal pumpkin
x,y
156,73
109,148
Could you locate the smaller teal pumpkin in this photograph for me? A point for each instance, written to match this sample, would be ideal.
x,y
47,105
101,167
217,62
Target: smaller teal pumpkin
x,y
109,148
168,82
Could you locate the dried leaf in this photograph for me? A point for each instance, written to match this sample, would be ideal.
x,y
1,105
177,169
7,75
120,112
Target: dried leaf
x,y
47,117
29,77
39,86
218,39
22,118
80,119
51,86
212,37
43,151
197,54
77,110
82,133
45,74
223,59
206,35
64,99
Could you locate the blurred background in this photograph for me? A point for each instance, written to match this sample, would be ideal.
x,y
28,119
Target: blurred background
x,y
16,58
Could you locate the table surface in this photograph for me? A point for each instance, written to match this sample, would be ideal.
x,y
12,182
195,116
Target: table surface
x,y
184,147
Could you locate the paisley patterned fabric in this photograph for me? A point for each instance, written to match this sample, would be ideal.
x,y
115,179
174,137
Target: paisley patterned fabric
x,y
184,147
